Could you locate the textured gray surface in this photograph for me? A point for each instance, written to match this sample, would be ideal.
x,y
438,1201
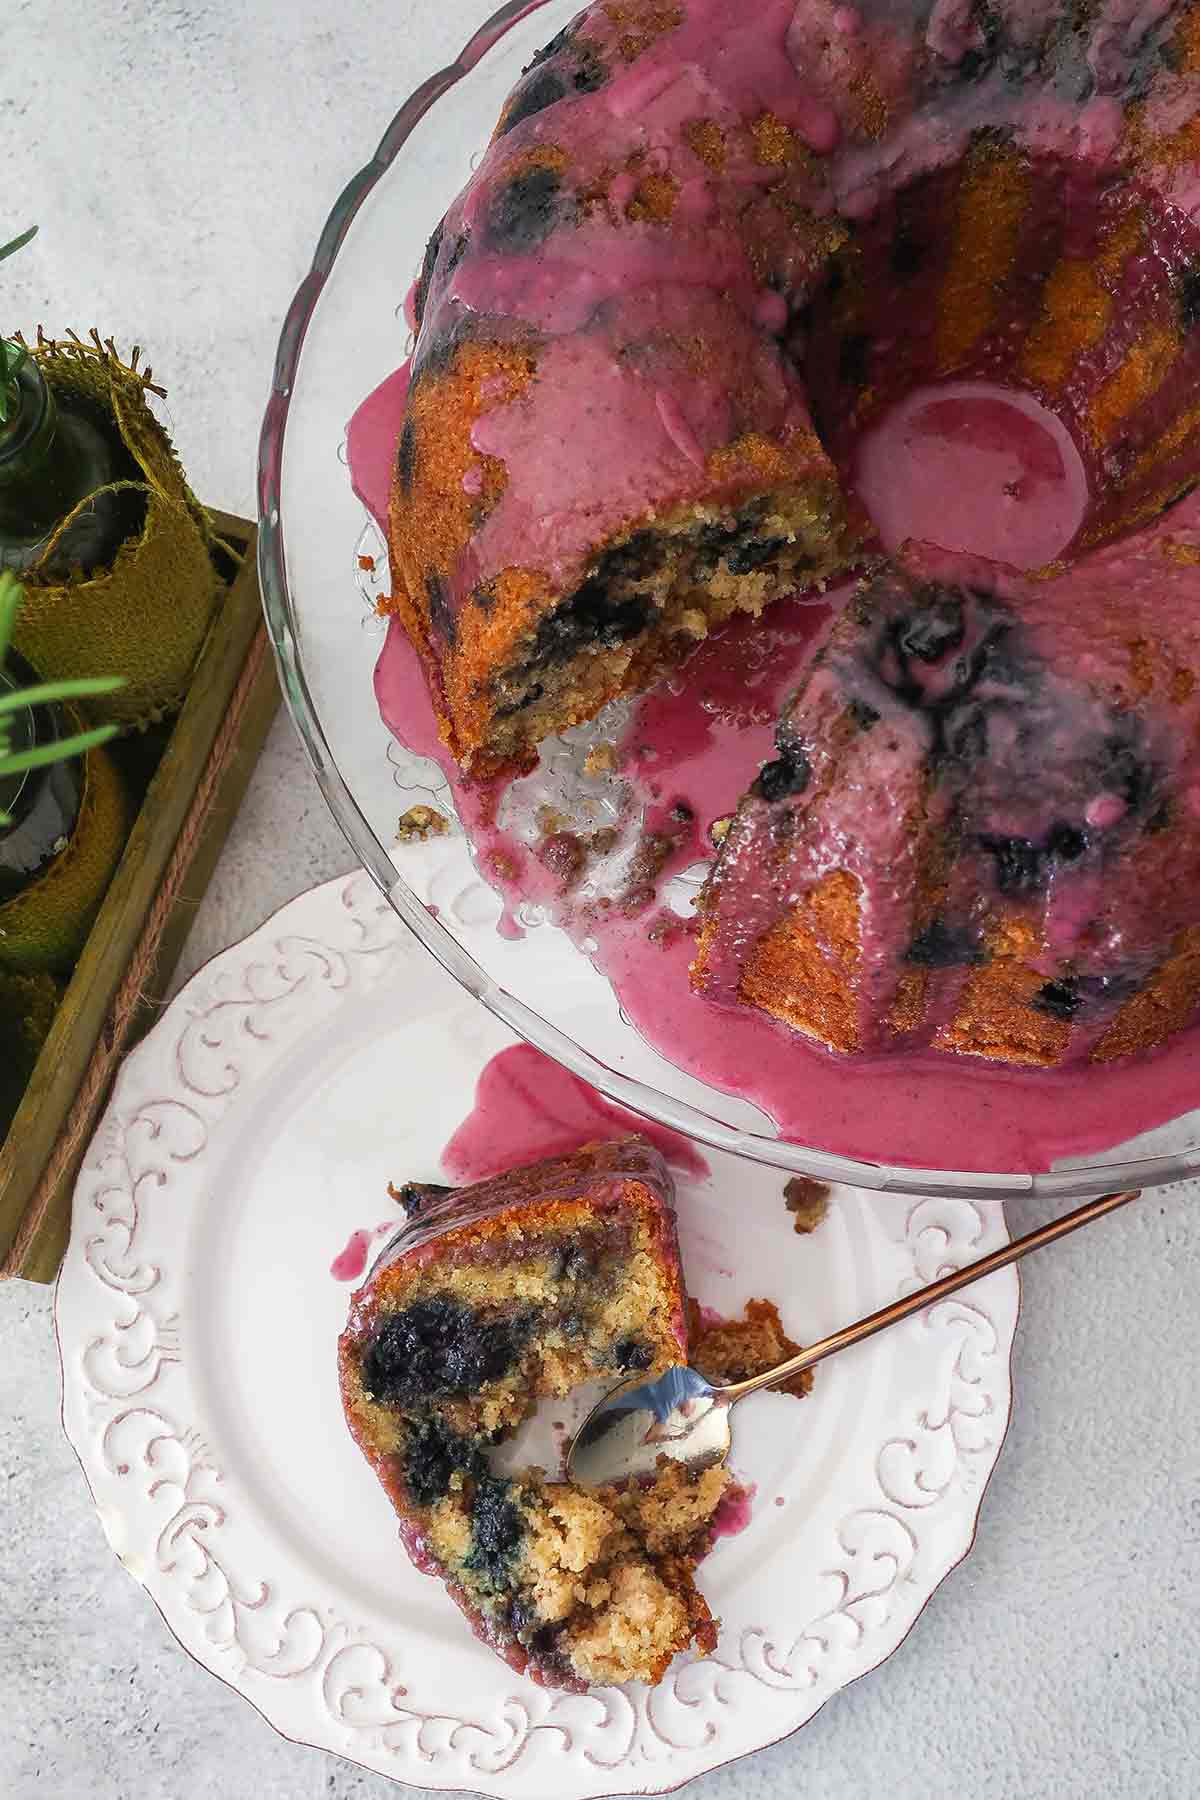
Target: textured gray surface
x,y
181,158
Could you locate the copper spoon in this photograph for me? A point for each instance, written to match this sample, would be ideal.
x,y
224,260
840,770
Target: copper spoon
x,y
683,1416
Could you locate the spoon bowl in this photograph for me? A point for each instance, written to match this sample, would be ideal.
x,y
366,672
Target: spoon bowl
x,y
680,1415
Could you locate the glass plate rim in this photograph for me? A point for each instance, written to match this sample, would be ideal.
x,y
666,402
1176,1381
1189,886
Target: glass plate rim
x,y
637,1096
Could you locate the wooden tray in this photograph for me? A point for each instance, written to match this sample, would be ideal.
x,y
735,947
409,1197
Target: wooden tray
x,y
134,945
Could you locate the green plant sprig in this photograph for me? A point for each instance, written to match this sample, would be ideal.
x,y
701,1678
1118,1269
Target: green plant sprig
x,y
12,356
43,693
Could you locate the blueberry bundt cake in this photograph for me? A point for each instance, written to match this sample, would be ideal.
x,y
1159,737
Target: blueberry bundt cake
x,y
708,249
494,1296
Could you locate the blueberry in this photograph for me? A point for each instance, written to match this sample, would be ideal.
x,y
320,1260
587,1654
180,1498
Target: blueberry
x,y
497,1530
853,353
432,1455
458,250
414,1196
788,774
1060,999
522,1617
589,73
978,61
432,251
542,91
964,732
1067,843
743,558
438,1347
907,252
572,1264
943,946
558,42
526,1624
524,212
632,1356
1072,75
1123,771
633,560
1020,864
590,617
1143,66
711,543
441,615
863,715
716,537
933,632
406,457
528,698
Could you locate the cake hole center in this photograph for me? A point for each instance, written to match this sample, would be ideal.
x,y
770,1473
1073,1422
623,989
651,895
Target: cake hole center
x,y
974,467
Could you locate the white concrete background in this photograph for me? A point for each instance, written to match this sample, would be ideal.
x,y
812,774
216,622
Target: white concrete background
x,y
180,156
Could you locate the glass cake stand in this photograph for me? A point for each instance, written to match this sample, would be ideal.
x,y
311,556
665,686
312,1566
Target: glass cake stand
x,y
344,334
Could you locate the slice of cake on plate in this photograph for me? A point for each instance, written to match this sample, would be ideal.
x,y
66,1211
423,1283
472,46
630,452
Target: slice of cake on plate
x,y
492,1297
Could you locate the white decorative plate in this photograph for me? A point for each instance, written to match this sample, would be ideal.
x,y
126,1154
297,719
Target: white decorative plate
x,y
250,1134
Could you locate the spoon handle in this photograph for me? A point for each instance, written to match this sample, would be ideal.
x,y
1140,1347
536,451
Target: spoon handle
x,y
937,1290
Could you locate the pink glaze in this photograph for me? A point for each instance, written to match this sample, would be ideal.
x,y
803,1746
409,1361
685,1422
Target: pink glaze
x,y
350,1263
527,1107
371,444
736,1508
974,467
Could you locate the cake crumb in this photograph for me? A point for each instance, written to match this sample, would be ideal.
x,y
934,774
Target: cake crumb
x,y
601,759
735,1349
420,823
367,563
674,1513
807,1201
565,856
413,1196
718,831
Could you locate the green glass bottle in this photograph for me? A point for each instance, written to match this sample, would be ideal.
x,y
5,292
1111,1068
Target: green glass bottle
x,y
41,805
53,455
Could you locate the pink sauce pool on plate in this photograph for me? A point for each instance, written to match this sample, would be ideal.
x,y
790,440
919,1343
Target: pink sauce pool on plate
x,y
351,1262
735,1511
528,1107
